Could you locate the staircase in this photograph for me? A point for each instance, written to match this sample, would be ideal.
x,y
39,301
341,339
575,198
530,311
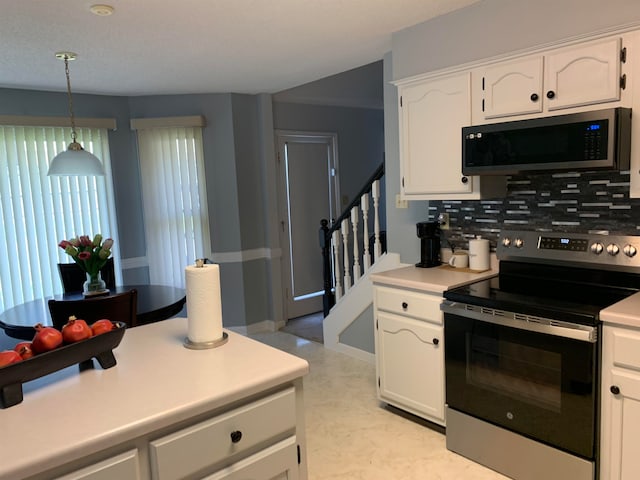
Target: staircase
x,y
350,256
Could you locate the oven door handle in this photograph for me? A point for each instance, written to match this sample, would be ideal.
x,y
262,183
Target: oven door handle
x,y
531,323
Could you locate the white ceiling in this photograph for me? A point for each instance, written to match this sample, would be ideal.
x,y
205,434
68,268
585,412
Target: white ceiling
x,y
198,46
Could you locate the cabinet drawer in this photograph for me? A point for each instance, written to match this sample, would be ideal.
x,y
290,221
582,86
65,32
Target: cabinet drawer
x,y
403,302
626,348
208,443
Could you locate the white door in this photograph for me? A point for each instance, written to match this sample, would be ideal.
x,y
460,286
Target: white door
x,y
308,193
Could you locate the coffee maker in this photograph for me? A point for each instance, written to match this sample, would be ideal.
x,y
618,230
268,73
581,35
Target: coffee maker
x,y
429,235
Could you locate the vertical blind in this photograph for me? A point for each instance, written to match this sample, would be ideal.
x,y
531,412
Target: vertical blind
x,y
175,201
38,211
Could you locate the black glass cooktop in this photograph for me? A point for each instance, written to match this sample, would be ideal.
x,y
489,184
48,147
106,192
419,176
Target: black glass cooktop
x,y
568,294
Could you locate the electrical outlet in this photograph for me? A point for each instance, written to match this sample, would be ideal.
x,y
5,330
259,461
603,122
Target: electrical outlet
x,y
443,220
400,203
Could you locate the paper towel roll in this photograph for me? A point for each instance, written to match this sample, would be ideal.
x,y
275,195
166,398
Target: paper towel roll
x,y
204,305
479,258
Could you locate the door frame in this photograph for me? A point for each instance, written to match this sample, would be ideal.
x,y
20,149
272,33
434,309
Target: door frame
x,y
281,136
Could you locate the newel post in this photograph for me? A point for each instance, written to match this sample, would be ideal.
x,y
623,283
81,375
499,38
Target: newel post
x,y
325,245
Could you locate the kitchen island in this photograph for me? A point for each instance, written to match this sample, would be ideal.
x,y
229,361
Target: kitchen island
x,y
163,412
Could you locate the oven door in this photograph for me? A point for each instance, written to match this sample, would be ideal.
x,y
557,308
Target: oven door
x,y
515,374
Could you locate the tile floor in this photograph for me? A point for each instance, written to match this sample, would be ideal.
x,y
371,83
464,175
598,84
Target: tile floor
x,y
352,436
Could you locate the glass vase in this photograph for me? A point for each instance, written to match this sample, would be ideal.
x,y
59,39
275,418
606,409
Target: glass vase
x,y
94,284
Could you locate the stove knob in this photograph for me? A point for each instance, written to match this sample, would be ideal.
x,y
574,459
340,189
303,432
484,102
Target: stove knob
x,y
506,241
519,243
613,249
597,248
629,250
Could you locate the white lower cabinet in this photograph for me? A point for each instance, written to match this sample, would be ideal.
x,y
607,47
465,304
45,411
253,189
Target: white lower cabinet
x,y
216,443
620,427
410,351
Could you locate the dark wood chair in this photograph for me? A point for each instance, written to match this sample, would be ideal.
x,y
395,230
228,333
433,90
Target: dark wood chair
x,y
73,276
121,307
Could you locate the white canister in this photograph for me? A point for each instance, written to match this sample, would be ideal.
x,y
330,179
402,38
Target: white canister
x,y
479,258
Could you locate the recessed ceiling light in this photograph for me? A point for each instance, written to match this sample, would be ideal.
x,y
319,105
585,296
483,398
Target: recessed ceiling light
x,y
102,10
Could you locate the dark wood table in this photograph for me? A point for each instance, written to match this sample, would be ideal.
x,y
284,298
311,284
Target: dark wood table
x,y
155,302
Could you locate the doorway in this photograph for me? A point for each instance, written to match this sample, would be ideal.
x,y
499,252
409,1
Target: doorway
x,y
308,192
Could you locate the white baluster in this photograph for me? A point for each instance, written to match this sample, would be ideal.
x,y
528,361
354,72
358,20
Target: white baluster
x,y
337,275
366,256
375,193
356,248
344,229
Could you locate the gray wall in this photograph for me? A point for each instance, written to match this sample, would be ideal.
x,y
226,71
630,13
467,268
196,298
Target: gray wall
x,y
240,175
360,137
238,196
482,30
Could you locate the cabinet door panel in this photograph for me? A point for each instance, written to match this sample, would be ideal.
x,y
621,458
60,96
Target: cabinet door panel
x,y
123,466
620,446
432,116
278,462
509,88
583,75
411,364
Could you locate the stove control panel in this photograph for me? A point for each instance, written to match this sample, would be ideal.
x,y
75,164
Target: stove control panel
x,y
611,251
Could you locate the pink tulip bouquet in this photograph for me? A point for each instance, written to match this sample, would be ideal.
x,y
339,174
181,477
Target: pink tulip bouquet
x,y
90,255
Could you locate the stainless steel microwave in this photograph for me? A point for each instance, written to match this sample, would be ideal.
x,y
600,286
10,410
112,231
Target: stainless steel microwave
x,y
594,140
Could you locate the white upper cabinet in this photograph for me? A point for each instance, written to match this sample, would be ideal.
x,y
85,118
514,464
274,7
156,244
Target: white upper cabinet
x,y
513,88
576,76
432,114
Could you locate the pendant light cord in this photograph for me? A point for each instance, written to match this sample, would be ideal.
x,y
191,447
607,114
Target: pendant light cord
x,y
73,118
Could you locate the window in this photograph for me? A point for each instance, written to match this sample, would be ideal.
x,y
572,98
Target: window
x,y
175,201
38,211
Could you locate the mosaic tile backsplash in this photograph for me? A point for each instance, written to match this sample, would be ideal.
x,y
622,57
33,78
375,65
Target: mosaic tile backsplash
x,y
561,202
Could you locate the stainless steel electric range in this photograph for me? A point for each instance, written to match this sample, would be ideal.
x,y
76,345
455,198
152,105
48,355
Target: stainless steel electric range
x,y
522,353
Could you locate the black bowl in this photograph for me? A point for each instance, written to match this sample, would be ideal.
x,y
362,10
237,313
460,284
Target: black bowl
x,y
100,347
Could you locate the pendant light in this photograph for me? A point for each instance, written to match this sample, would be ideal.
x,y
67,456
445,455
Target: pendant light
x,y
75,160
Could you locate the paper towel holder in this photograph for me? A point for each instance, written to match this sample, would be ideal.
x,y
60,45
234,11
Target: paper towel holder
x,y
206,345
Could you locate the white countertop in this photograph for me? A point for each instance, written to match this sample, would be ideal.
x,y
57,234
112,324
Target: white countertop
x,y
431,280
156,382
625,313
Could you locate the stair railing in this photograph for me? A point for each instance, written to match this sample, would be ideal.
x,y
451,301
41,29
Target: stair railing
x,y
334,242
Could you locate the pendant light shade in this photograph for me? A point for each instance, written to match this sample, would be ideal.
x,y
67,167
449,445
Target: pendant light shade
x,y
75,160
